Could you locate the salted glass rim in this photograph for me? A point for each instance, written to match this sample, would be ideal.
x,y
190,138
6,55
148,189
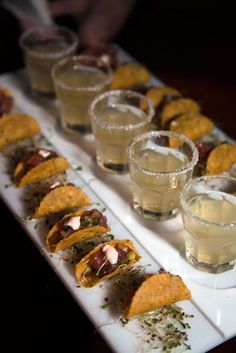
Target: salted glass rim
x,y
190,165
119,93
98,86
187,210
71,46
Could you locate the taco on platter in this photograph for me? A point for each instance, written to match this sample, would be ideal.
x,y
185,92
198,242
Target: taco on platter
x,y
221,158
76,227
105,261
61,198
129,75
156,291
194,126
40,165
15,127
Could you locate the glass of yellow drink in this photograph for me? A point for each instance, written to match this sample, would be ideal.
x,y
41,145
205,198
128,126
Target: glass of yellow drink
x,y
209,215
42,47
78,80
160,163
118,116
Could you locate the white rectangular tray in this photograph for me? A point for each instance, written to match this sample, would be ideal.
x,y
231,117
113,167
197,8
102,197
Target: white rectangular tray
x,y
160,244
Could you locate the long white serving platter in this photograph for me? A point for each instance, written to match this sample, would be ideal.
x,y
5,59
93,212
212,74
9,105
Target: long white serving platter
x,y
160,244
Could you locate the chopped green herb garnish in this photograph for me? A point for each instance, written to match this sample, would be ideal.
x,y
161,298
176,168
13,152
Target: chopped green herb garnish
x,y
79,168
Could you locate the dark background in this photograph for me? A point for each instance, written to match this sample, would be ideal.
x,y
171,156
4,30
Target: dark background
x,y
190,47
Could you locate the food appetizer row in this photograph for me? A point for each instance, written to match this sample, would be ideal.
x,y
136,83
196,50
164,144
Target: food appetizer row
x,y
43,172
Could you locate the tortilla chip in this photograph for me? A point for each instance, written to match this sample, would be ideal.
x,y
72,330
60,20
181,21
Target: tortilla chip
x,y
61,199
76,236
42,171
156,94
221,158
129,75
16,127
87,277
194,126
177,107
156,291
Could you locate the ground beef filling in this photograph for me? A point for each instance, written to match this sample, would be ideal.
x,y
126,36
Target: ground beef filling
x,y
100,265
90,218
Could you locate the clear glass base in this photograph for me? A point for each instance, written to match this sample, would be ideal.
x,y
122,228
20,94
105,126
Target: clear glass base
x,y
113,167
207,267
155,216
77,129
37,93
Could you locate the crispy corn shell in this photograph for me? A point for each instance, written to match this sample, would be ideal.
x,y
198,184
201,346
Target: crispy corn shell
x,y
42,171
16,127
156,94
177,107
61,199
156,291
221,158
194,126
129,75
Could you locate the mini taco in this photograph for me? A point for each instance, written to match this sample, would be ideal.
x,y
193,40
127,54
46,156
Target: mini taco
x,y
40,165
177,107
76,227
221,158
129,75
62,198
162,95
105,261
16,127
156,291
6,101
194,126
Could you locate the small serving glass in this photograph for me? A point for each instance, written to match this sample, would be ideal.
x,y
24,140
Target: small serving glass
x,y
42,47
209,214
118,116
78,80
160,163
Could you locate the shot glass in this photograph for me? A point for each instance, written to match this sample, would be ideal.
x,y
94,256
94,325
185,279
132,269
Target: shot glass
x,y
118,116
78,80
160,163
42,47
209,215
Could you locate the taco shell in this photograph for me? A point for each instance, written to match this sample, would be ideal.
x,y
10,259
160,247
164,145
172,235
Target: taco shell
x,y
221,158
156,291
76,236
129,75
42,171
194,126
177,107
16,127
61,199
86,276
157,94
